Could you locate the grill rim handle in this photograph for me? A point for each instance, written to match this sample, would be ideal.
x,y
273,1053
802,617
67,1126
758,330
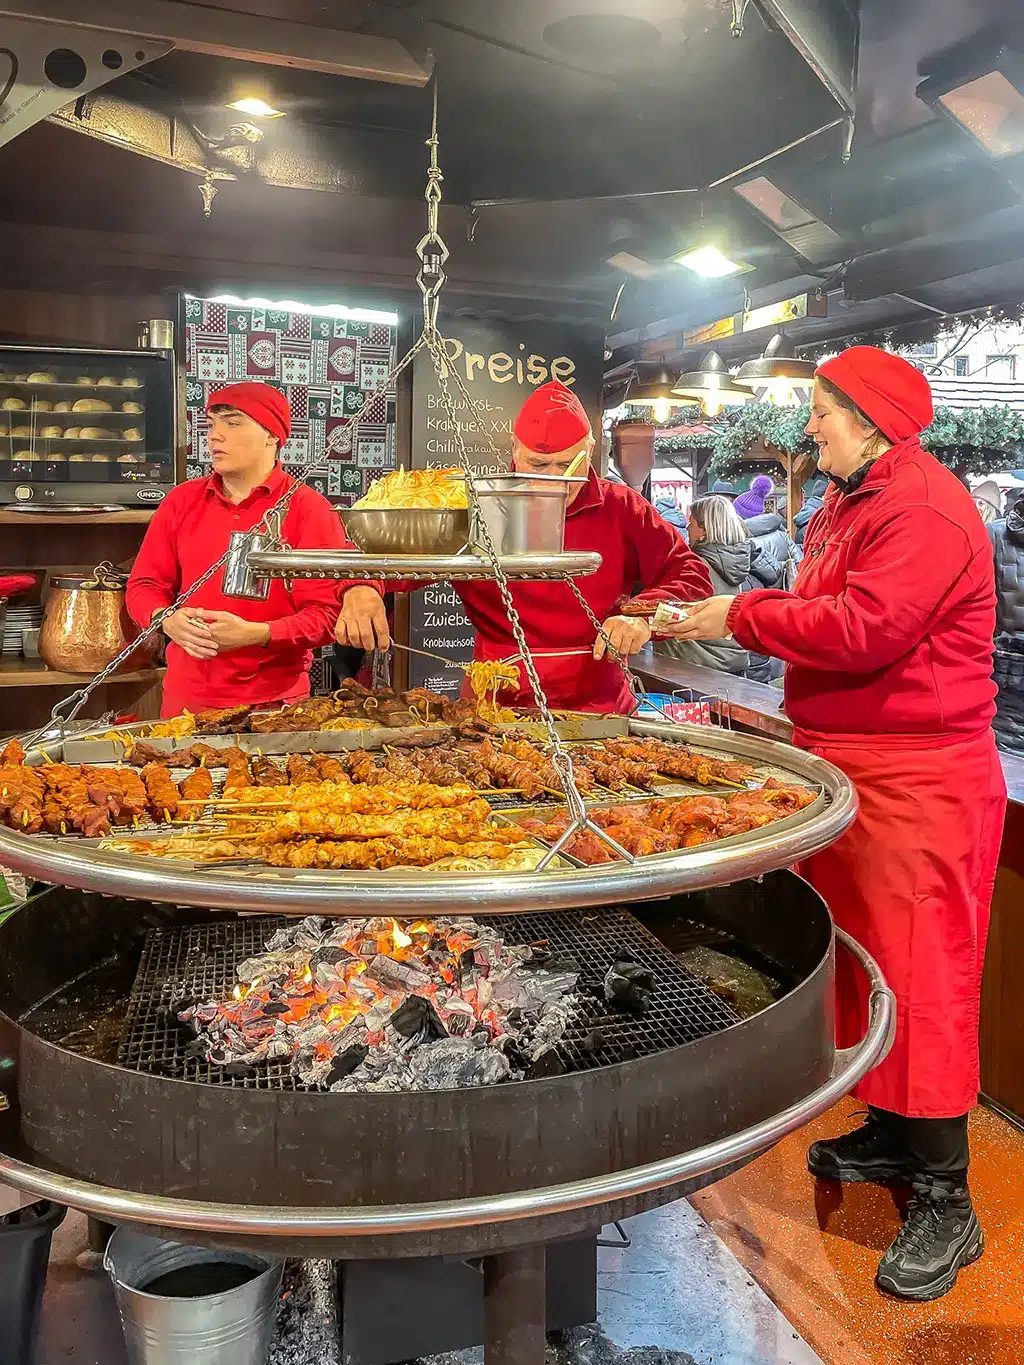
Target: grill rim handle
x,y
118,1206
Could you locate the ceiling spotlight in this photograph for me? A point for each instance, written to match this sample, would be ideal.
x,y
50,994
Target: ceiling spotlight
x,y
711,386
987,101
653,388
777,374
710,263
256,108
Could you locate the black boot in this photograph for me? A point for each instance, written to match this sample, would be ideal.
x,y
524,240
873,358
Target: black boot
x,y
940,1235
872,1153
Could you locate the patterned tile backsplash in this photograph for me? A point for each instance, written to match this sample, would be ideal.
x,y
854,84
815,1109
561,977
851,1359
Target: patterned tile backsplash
x,y
330,368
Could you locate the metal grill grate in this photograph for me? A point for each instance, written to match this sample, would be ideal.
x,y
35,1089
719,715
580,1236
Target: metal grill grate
x,y
199,962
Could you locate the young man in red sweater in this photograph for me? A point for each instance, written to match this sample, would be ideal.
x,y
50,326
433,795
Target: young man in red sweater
x,y
226,650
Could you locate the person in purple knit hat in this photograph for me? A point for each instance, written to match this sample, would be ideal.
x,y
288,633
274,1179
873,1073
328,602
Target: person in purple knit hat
x,y
751,503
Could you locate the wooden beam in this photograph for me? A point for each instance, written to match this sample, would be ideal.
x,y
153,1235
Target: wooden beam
x,y
224,33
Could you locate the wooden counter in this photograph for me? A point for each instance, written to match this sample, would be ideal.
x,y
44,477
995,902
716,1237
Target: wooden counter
x,y
755,706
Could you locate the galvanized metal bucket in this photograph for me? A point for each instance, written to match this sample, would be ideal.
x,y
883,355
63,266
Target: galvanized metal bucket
x,y
230,1328
524,513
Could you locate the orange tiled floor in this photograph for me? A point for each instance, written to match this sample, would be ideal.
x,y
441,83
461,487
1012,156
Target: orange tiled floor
x,y
815,1248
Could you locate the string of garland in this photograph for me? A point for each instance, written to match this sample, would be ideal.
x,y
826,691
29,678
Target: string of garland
x,y
981,440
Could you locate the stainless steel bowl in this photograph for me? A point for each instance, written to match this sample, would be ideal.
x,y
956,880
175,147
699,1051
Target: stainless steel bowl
x,y
408,530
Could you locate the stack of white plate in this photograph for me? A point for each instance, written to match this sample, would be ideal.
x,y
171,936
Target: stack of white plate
x,y
16,621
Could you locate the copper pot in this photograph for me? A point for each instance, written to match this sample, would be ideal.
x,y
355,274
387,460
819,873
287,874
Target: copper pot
x,y
86,623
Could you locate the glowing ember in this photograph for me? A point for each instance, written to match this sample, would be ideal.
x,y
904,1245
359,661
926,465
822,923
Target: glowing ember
x,y
375,1005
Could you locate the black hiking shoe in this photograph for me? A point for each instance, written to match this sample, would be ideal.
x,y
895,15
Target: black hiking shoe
x,y
940,1235
871,1153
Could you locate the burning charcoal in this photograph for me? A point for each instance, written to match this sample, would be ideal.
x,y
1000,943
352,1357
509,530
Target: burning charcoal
x,y
345,1064
276,1007
330,954
549,1063
402,974
628,986
416,1017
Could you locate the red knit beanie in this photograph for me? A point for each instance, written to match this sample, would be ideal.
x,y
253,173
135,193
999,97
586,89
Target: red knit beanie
x,y
551,420
888,389
262,402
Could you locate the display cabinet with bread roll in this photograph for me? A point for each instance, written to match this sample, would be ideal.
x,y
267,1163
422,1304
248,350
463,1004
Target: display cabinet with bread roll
x,y
85,427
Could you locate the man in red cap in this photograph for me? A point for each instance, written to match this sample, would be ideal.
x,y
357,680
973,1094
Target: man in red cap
x,y
225,648
641,554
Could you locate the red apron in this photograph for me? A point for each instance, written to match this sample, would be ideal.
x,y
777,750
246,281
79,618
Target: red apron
x,y
912,881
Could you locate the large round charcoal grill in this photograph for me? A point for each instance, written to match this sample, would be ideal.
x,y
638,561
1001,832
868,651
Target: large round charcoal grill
x,y
151,1136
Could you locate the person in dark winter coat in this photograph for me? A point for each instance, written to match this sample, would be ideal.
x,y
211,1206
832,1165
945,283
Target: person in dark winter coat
x,y
769,531
718,535
1007,537
814,496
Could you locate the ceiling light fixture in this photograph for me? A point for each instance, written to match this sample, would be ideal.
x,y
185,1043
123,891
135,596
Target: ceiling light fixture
x,y
255,108
653,388
710,263
711,385
777,374
986,101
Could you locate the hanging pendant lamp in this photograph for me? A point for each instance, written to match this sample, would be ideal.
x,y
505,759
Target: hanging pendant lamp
x,y
777,372
711,386
653,387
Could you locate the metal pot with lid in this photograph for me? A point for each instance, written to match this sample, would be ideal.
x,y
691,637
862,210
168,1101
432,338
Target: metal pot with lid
x,y
86,623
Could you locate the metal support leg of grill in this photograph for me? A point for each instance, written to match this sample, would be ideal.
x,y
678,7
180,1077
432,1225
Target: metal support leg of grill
x,y
515,1311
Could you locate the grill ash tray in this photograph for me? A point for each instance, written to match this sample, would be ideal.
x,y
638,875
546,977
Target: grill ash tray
x,y
198,962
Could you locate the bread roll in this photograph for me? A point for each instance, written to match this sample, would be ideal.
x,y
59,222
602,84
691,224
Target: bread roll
x,y
21,431
130,459
72,434
56,457
52,433
41,377
41,405
92,405
108,382
131,407
26,455
13,405
97,434
103,459
84,379
131,382
21,378
78,459
62,406
132,434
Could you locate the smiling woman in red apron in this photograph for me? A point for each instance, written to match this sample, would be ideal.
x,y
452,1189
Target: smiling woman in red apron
x,y
639,551
887,637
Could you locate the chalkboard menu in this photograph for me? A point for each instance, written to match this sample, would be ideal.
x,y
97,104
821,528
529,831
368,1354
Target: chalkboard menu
x,y
501,364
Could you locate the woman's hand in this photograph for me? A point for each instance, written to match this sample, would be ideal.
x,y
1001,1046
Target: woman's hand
x,y
706,621
627,634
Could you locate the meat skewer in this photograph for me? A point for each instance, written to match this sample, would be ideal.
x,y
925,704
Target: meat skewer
x,y
162,791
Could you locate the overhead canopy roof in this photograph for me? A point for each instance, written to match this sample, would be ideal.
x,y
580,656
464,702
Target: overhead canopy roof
x,y
602,126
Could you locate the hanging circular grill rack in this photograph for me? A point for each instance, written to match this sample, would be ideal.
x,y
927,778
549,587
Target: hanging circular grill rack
x,y
82,864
